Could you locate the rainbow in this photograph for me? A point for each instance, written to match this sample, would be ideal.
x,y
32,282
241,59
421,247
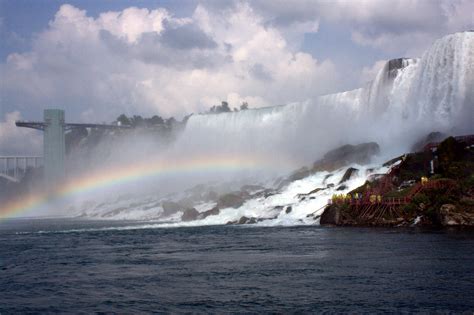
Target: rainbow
x,y
120,175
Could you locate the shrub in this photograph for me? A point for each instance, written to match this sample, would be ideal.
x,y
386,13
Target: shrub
x,y
421,198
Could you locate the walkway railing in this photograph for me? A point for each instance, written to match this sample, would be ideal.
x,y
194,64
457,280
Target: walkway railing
x,y
14,167
373,197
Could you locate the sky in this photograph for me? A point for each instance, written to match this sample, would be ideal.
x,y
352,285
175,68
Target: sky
x,y
98,59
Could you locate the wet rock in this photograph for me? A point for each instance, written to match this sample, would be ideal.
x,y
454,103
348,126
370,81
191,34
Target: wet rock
x,y
449,215
330,186
394,65
348,174
327,177
190,215
288,209
330,216
231,200
268,193
213,211
310,193
246,220
243,220
342,187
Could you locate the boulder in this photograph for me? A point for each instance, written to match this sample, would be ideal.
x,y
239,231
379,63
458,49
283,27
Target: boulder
x,y
348,174
190,215
231,200
331,216
449,215
246,220
342,187
213,211
288,209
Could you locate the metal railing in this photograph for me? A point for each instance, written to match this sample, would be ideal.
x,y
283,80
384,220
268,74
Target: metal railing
x,y
14,167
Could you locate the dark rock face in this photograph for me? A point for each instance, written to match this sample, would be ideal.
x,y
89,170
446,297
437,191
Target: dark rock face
x,y
394,65
190,215
310,193
330,216
347,154
434,136
288,209
232,200
213,211
448,215
245,220
348,174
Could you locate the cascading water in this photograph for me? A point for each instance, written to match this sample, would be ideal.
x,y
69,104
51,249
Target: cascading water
x,y
408,99
408,96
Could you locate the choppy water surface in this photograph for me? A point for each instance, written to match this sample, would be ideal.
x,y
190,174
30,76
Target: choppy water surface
x,y
70,266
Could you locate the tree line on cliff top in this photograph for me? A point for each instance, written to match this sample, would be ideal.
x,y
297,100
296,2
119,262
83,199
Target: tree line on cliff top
x,y
156,120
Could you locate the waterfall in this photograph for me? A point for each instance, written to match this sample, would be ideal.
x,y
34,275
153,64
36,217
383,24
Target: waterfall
x,y
407,98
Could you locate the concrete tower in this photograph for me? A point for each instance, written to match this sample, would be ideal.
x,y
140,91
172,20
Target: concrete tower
x,y
54,147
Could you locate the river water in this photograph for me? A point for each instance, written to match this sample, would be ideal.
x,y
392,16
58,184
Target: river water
x,y
130,267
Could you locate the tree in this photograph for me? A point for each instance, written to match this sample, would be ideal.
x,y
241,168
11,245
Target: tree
x,y
156,120
170,122
123,120
137,120
244,106
223,108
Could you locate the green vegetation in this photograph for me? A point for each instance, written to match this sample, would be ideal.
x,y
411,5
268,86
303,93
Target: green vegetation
x,y
224,108
139,121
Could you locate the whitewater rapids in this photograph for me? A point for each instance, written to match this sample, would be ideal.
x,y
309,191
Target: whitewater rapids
x,y
305,207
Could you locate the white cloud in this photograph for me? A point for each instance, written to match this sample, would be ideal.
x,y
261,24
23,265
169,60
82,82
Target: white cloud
x,y
148,62
395,26
15,140
400,25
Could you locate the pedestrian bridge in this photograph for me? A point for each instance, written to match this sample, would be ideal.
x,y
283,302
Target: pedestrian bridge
x,y
13,168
